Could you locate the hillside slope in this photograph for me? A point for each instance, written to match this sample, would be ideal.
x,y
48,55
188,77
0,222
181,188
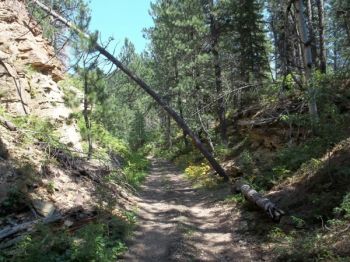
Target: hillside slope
x,y
44,174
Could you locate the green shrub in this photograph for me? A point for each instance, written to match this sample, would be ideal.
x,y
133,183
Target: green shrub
x,y
94,242
70,96
236,198
200,175
246,161
344,208
15,200
103,138
37,129
135,171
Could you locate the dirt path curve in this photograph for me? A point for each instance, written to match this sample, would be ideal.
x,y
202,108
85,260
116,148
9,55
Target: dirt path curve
x,y
179,223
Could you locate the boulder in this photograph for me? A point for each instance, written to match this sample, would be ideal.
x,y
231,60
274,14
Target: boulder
x,y
43,207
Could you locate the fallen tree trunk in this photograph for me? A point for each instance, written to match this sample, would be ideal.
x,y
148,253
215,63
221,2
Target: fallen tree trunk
x,y
181,123
262,202
28,226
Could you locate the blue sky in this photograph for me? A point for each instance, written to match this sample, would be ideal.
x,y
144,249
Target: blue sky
x,y
120,19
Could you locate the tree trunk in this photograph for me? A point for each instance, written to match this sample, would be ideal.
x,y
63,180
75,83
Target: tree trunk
x,y
335,49
210,142
86,113
307,57
182,124
179,102
7,232
221,101
307,53
311,35
323,62
168,132
215,35
264,203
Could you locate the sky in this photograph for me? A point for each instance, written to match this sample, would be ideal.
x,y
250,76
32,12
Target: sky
x,y
121,19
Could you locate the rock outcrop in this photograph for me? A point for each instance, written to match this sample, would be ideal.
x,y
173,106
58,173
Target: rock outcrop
x,y
30,71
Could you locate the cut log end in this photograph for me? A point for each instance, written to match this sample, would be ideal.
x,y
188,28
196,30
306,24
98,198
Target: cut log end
x,y
270,208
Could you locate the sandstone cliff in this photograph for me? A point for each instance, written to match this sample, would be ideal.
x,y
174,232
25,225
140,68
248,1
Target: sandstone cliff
x,y
30,71
37,178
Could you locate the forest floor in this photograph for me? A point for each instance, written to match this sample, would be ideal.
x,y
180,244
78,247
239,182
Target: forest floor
x,y
179,223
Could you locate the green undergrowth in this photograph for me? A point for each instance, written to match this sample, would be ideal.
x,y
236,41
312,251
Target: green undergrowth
x,y
179,153
296,239
136,169
201,176
102,240
71,97
195,167
35,129
44,132
134,163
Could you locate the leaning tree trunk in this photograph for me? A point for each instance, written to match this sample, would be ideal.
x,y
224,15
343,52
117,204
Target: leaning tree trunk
x,y
181,123
272,210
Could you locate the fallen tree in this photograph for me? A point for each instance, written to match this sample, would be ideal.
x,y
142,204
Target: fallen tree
x,y
262,202
253,196
160,101
28,226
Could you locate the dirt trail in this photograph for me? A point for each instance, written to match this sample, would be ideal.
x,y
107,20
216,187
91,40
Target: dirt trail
x,y
179,223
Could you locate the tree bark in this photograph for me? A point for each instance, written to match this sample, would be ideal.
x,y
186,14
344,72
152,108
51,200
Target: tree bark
x,y
307,53
307,57
86,112
179,101
323,61
182,124
168,131
311,34
28,226
264,203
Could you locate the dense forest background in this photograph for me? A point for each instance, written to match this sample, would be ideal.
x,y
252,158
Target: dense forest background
x,y
265,86
212,59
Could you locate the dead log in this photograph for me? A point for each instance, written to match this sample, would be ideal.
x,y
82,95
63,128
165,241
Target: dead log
x,y
7,232
9,125
262,202
258,122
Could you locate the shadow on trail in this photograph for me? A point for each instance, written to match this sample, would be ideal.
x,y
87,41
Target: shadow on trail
x,y
179,223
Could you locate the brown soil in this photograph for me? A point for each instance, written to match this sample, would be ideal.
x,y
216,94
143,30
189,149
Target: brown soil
x,y
179,223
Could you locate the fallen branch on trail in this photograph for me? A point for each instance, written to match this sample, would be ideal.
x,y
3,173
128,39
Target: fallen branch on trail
x,y
262,202
141,83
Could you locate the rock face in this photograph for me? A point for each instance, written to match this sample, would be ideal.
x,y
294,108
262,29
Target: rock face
x,y
29,71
